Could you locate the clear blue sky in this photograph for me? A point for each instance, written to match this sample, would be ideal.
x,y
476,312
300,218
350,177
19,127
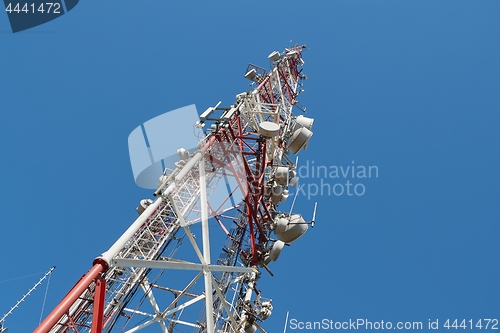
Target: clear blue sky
x,y
411,87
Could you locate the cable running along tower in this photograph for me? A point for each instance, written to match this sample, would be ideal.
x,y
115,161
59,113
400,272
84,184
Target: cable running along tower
x,y
145,279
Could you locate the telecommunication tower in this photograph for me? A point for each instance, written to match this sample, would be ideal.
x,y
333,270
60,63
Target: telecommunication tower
x,y
251,142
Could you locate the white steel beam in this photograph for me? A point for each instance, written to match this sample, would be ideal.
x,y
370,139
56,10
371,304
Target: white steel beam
x,y
188,232
185,305
140,327
146,287
184,323
145,314
206,250
178,265
182,293
224,303
120,243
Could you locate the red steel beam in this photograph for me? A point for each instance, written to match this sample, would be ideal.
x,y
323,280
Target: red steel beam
x,y
99,300
70,298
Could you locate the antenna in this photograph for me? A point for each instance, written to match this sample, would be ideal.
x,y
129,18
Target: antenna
x,y
313,218
4,330
293,202
314,214
297,194
286,321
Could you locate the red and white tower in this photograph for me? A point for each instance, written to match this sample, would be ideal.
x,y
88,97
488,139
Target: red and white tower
x,y
148,277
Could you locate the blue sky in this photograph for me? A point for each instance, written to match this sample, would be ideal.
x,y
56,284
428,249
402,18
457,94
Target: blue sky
x,y
409,87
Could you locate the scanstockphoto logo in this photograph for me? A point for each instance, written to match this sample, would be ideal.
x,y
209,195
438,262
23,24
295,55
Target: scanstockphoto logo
x,y
25,15
335,180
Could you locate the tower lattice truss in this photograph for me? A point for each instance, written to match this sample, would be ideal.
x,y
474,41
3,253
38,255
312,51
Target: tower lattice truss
x,y
148,277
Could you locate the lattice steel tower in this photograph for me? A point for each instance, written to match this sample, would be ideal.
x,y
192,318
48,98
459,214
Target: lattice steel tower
x,y
251,143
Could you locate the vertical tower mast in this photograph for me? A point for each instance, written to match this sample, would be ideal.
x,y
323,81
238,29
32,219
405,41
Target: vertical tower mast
x,y
248,142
